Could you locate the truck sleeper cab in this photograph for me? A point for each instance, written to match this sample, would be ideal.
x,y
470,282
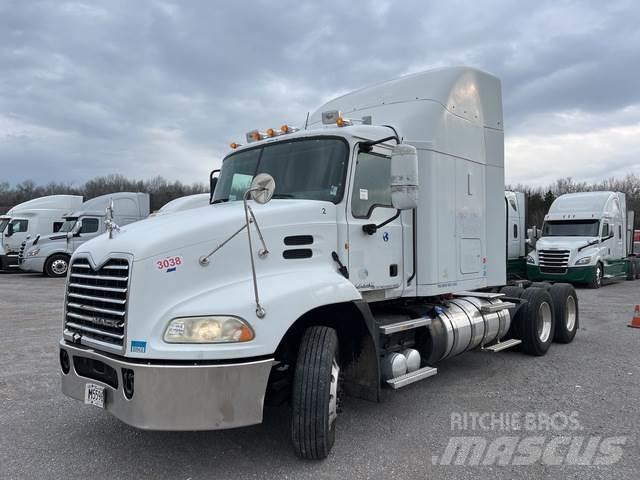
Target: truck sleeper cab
x,y
334,260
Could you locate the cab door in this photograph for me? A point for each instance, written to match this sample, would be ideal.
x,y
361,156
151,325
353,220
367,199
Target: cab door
x,y
375,260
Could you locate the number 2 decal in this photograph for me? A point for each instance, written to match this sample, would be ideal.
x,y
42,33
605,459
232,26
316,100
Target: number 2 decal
x,y
324,211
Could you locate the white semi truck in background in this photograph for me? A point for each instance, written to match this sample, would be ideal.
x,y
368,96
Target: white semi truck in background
x,y
50,254
39,216
354,254
586,238
183,203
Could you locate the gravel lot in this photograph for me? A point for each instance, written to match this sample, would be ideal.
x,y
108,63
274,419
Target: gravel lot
x,y
46,435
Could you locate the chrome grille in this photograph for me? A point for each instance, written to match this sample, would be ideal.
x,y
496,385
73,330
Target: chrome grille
x,y
553,261
96,302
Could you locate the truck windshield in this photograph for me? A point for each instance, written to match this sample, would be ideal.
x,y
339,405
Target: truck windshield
x,y
3,223
313,169
570,228
68,225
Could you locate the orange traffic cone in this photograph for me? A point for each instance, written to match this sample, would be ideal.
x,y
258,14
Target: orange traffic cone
x,y
635,321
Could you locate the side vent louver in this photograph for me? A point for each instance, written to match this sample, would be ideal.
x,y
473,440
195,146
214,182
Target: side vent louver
x,y
298,240
297,253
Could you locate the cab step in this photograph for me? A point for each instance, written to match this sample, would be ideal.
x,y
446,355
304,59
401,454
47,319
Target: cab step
x,y
390,328
498,347
412,377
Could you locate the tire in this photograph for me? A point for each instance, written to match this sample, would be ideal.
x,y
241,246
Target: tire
x,y
315,392
632,272
57,266
598,274
536,321
565,308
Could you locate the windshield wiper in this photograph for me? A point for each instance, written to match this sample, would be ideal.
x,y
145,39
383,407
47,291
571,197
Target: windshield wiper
x,y
220,200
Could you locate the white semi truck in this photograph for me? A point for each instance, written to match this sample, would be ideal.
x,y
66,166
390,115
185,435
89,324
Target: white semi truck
x,y
348,256
50,254
39,216
586,238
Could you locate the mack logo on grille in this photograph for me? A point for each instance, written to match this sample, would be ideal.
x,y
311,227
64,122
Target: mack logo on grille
x,y
107,322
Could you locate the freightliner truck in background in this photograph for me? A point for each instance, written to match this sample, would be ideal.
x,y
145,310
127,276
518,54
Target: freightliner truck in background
x,y
586,238
40,216
50,254
349,256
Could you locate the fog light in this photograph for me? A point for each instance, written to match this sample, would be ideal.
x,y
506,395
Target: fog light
x,y
64,361
127,383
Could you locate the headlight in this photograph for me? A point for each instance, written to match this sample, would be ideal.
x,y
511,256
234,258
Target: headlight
x,y
33,253
211,329
530,260
584,261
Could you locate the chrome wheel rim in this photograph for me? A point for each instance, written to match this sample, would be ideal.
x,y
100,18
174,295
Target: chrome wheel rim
x,y
59,267
571,313
544,322
599,275
333,392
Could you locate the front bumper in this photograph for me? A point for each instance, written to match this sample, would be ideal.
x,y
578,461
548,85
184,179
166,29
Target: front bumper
x,y
32,264
9,261
572,275
170,396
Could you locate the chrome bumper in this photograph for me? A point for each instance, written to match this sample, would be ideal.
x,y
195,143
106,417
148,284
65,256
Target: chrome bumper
x,y
193,396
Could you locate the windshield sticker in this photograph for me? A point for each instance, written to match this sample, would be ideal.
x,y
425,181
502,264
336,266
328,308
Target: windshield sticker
x,y
334,190
364,194
169,264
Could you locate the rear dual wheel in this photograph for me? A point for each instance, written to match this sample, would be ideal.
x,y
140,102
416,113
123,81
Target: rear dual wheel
x,y
565,306
535,321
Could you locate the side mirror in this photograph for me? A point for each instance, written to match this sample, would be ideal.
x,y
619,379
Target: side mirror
x,y
404,177
213,181
9,230
262,188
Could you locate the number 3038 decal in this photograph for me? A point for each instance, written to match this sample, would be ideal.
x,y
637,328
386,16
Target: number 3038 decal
x,y
169,264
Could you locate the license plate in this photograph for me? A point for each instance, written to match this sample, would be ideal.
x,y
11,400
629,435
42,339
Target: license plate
x,y
94,395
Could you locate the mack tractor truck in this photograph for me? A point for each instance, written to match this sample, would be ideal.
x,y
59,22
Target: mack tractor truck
x,y
348,256
586,238
40,216
50,254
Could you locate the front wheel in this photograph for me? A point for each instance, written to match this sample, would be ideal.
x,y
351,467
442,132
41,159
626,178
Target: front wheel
x,y
57,266
315,394
596,279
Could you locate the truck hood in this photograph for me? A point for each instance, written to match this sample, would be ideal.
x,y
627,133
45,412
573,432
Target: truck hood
x,y
204,228
563,243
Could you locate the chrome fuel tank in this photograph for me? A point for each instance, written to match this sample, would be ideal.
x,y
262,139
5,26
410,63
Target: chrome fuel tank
x,y
461,326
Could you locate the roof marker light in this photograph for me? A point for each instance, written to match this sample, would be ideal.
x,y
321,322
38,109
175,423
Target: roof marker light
x,y
234,145
254,136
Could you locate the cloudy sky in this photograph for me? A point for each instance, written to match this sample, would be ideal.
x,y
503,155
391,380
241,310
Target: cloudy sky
x,y
149,88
